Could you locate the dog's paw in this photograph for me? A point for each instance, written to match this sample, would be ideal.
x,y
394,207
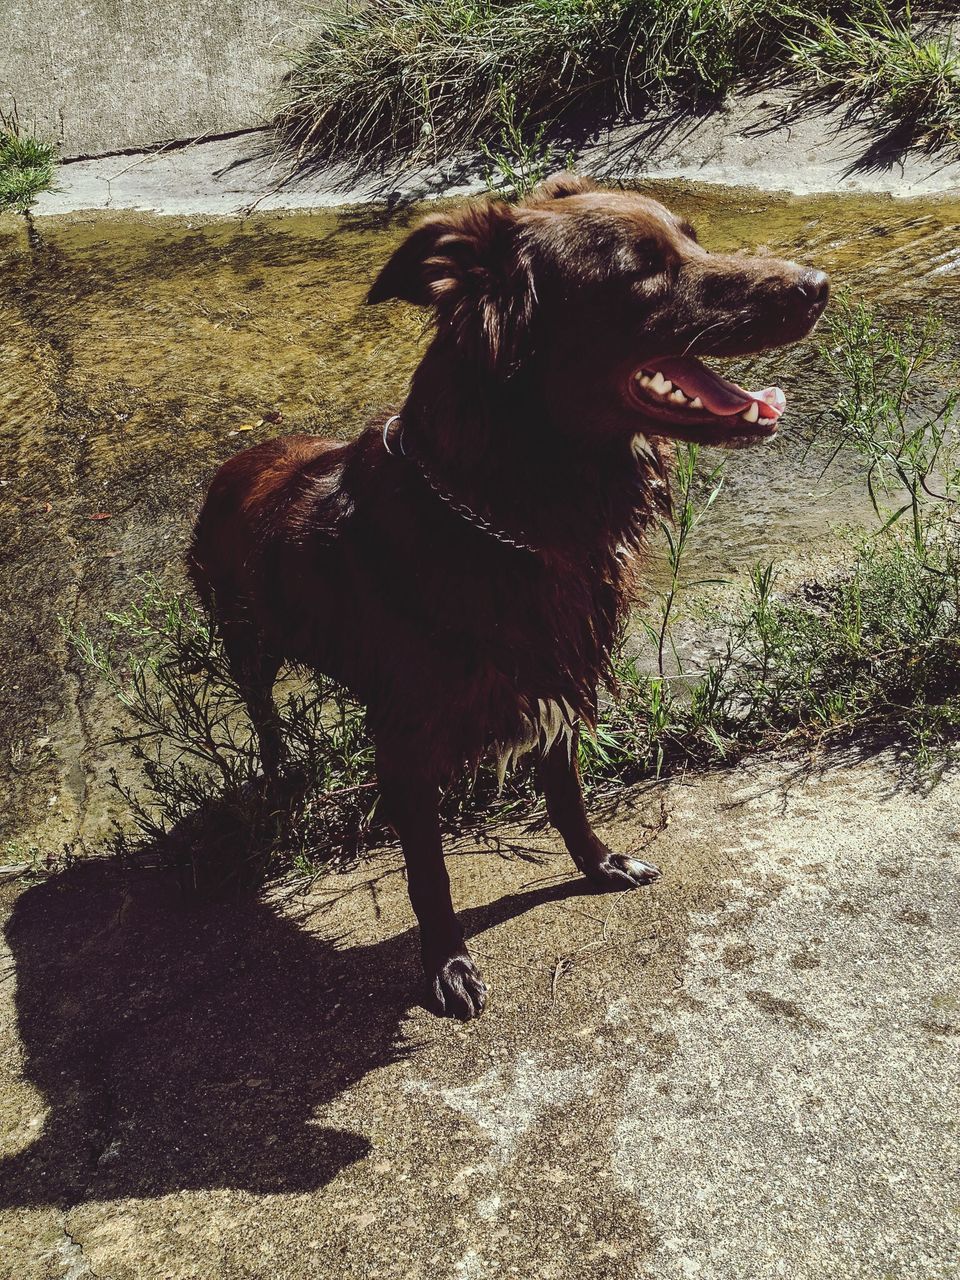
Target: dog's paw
x,y
457,989
620,871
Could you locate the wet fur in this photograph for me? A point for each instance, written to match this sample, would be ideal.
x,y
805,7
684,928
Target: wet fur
x,y
342,557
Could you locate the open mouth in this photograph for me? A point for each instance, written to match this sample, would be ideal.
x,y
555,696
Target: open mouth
x,y
684,394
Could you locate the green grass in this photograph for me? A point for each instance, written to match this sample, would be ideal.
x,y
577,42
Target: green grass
x,y
195,781
910,81
523,155
404,76
195,795
26,167
870,653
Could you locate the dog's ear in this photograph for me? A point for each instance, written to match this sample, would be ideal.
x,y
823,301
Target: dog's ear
x,y
471,266
559,185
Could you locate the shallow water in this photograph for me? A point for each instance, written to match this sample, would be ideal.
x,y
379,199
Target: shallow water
x,y
138,352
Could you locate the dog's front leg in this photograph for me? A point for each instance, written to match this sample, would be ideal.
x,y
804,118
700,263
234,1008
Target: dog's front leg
x,y
411,805
560,777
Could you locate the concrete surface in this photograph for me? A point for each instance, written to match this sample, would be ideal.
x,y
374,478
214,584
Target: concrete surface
x,y
101,75
747,1072
761,140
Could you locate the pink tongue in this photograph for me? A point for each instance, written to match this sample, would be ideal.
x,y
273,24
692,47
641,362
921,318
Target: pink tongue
x,y
718,395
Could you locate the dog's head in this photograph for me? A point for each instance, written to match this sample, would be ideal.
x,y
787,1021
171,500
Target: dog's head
x,y
602,302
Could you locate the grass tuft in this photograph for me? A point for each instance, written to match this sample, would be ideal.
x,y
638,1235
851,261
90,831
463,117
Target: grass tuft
x,y
522,155
195,784
438,76
910,81
26,167
871,654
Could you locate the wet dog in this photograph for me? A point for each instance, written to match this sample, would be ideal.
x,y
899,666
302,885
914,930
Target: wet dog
x,y
465,567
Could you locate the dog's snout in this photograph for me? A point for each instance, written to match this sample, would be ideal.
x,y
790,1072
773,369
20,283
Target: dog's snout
x,y
814,287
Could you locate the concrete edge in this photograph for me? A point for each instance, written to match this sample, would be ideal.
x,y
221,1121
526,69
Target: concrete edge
x,y
762,141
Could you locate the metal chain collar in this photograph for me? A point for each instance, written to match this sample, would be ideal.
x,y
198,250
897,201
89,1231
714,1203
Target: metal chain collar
x,y
462,510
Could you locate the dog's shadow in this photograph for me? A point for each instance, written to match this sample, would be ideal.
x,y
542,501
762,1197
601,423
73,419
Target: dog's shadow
x,y
186,1044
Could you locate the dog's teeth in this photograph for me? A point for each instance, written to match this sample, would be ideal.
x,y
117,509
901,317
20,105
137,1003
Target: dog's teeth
x,y
752,414
643,379
677,397
696,403
660,384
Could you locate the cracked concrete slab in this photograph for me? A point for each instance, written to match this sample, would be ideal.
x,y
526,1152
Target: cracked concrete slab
x,y
747,1071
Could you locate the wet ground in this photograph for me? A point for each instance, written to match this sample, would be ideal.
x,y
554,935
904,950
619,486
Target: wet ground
x,y
139,352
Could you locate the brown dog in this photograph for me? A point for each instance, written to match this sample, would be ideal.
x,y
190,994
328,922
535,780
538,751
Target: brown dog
x,y
465,570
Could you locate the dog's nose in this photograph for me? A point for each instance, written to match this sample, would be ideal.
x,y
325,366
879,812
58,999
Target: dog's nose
x,y
814,287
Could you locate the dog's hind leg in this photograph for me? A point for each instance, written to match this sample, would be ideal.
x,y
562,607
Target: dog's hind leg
x,y
411,806
560,778
255,669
